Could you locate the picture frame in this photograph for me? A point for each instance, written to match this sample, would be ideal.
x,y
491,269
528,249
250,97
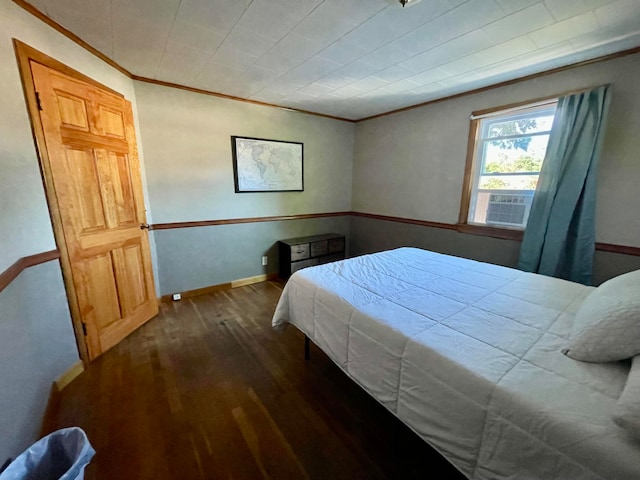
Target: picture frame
x,y
265,165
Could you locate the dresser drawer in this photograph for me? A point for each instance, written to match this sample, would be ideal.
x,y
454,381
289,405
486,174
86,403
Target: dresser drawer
x,y
299,252
336,245
319,248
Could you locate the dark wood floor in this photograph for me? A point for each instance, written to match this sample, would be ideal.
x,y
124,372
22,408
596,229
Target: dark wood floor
x,y
209,390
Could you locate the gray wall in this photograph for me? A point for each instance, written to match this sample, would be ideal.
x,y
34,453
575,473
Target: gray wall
x,y
191,258
373,235
187,142
37,346
411,164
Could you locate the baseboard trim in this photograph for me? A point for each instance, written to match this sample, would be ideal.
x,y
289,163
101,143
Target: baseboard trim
x,y
69,375
241,282
250,280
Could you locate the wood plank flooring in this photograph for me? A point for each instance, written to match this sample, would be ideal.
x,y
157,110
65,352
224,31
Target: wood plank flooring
x,y
208,390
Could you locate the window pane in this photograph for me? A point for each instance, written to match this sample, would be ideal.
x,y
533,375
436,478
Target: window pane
x,y
521,155
520,126
508,182
508,158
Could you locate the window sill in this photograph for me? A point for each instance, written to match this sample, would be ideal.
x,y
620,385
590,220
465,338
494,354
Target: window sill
x,y
495,232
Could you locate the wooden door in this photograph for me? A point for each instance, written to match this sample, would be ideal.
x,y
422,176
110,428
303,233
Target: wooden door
x,y
92,156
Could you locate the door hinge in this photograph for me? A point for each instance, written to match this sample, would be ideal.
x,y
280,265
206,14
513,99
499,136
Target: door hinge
x,y
38,101
84,329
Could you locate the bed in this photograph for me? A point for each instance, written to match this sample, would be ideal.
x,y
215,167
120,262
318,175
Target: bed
x,y
468,355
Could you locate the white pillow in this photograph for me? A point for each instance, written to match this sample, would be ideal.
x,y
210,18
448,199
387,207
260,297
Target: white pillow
x,y
627,411
606,327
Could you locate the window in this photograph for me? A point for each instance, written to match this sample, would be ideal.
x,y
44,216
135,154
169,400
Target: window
x,y
508,151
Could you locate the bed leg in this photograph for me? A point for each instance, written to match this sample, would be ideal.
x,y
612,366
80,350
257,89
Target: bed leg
x,y
306,347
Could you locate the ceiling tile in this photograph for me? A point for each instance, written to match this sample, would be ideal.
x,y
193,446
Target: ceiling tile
x,y
281,88
343,51
230,57
274,61
315,90
179,68
460,47
347,92
395,73
564,30
185,32
144,59
510,49
368,83
621,13
459,21
563,9
512,6
216,77
355,70
219,15
430,76
297,46
607,40
248,41
270,19
299,8
324,25
158,12
525,21
386,56
334,80
400,86
357,11
520,63
311,70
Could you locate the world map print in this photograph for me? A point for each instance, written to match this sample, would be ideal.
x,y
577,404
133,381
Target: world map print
x,y
266,165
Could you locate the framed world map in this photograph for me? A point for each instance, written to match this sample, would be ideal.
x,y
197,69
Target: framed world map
x,y
261,165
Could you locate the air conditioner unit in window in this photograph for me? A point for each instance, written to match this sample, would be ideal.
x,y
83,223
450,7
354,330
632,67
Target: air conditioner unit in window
x,y
509,209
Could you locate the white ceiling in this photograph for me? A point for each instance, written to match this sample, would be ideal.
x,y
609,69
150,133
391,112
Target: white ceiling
x,y
346,58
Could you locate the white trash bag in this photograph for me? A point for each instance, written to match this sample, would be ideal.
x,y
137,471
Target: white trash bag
x,y
61,455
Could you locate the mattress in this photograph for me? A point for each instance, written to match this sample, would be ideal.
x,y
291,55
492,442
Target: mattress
x,y
467,354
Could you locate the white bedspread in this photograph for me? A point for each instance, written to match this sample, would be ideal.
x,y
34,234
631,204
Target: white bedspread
x,y
467,354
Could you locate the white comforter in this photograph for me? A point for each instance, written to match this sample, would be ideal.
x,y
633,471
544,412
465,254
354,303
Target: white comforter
x,y
467,354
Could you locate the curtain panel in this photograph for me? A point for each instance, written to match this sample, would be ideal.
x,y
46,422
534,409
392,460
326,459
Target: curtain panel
x,y
559,239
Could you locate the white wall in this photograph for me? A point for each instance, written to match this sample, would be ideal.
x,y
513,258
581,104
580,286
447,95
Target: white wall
x,y
411,164
187,143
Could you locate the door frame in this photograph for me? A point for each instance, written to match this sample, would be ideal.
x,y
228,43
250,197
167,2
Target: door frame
x,y
24,55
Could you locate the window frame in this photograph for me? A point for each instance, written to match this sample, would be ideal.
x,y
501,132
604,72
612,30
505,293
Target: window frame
x,y
472,172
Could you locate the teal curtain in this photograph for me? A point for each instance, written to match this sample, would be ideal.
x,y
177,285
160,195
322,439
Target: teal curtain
x,y
559,240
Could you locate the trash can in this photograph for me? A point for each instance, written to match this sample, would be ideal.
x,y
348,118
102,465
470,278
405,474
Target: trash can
x,y
61,455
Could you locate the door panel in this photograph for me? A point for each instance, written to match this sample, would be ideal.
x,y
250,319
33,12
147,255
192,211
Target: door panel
x,y
73,111
90,142
84,188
